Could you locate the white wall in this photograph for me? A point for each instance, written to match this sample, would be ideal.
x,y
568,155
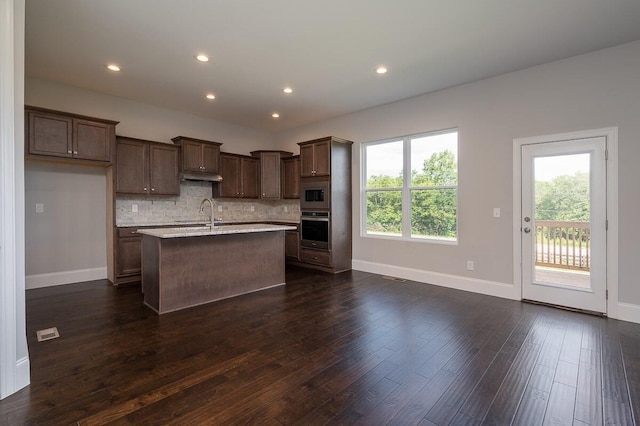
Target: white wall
x,y
14,355
74,197
67,241
596,90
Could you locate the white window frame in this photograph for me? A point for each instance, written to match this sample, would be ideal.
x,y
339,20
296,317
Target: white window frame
x,y
405,189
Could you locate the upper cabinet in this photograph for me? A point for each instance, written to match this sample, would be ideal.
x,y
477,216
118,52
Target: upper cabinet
x,y
290,176
63,136
315,157
199,156
146,167
270,168
239,176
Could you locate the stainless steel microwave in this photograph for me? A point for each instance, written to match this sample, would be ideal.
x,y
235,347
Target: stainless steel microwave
x,y
314,194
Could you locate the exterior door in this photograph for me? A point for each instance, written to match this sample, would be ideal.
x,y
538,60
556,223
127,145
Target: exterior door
x,y
563,223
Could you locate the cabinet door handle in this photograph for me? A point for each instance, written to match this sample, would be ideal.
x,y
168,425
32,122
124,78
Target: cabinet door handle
x,y
153,189
75,152
144,189
133,232
69,152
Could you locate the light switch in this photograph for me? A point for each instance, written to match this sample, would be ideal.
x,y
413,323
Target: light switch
x,y
496,212
39,208
134,208
219,208
253,209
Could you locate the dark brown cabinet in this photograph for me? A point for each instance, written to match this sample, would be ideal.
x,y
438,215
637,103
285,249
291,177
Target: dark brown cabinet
x,y
290,176
292,245
240,176
199,156
146,167
57,135
128,255
270,173
326,164
315,157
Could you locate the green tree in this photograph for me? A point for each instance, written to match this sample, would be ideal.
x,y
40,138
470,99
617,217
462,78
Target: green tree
x,y
564,198
433,210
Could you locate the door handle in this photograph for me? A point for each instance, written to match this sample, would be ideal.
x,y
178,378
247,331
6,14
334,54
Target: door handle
x,y
527,218
527,230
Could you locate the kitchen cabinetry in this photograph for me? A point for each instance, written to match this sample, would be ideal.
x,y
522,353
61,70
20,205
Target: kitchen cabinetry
x,y
240,176
199,156
146,167
128,255
59,136
326,163
292,244
290,176
315,157
270,169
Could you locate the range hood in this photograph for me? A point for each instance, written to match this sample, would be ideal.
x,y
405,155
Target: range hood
x,y
201,178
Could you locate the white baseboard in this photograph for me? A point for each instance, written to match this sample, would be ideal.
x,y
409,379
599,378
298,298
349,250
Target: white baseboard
x,y
490,288
629,312
23,370
65,277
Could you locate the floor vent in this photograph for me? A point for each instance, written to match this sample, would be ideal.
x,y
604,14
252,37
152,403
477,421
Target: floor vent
x,y
400,280
47,334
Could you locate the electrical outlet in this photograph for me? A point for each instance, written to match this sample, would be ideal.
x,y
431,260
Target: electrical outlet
x,y
496,212
219,208
286,209
134,208
253,209
39,208
470,265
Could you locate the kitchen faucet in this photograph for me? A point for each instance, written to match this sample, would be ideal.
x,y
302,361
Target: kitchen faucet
x,y
202,203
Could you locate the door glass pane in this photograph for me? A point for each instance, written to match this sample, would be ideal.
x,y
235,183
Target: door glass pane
x,y
562,220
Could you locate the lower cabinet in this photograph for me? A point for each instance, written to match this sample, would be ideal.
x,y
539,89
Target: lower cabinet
x,y
317,257
292,245
128,256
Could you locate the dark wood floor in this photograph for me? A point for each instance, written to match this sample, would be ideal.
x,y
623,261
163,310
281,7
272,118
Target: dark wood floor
x,y
349,348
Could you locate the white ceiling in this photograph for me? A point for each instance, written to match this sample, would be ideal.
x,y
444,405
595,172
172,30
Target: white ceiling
x,y
326,50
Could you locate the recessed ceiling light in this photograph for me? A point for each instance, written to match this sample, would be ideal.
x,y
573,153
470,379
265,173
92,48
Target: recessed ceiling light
x,y
381,70
202,57
210,96
275,115
113,67
287,90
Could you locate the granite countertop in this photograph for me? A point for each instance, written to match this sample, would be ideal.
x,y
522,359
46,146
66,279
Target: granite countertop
x,y
201,231
182,223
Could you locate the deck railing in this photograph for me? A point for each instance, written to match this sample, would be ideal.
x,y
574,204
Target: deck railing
x,y
563,244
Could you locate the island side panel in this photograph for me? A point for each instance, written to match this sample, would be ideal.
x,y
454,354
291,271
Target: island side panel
x,y
197,270
151,271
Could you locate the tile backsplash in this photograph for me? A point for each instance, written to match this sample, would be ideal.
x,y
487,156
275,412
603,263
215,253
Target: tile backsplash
x,y
186,207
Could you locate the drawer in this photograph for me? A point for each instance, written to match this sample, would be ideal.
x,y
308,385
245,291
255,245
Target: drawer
x,y
315,256
128,232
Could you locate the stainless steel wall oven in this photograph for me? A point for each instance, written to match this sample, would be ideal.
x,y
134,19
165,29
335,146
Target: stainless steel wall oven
x,y
314,229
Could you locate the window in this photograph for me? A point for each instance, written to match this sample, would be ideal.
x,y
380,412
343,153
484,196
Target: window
x,y
411,187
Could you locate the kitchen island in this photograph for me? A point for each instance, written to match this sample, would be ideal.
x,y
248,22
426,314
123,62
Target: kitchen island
x,y
185,267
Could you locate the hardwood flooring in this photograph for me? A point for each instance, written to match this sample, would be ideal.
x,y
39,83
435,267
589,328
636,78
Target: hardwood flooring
x,y
352,348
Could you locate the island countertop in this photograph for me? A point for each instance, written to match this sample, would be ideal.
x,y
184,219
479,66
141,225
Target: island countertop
x,y
197,231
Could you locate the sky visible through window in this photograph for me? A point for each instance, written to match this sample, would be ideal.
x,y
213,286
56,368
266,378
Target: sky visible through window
x,y
548,168
386,158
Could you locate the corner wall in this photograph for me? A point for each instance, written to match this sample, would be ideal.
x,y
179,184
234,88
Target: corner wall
x,y
591,91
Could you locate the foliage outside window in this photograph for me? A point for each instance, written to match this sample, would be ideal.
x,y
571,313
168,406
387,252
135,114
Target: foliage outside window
x,y
411,186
